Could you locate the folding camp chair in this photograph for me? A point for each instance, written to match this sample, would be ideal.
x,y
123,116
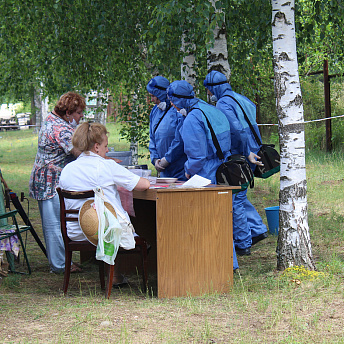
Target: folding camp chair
x,y
10,234
10,231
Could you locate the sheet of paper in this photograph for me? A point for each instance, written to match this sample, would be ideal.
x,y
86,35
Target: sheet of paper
x,y
196,182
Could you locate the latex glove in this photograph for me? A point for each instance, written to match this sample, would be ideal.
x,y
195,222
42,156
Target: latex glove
x,y
163,162
157,165
252,159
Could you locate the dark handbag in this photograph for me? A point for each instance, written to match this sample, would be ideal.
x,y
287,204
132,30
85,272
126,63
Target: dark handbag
x,y
236,171
268,154
271,160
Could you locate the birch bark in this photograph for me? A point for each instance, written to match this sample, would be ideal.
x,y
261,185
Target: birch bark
x,y
187,70
217,56
294,245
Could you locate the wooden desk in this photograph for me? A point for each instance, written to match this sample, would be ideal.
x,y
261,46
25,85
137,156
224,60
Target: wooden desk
x,y
192,246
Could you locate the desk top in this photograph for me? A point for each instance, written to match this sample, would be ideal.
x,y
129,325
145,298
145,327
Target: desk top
x,y
151,194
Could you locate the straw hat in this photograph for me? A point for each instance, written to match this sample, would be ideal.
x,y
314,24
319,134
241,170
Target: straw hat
x,y
88,220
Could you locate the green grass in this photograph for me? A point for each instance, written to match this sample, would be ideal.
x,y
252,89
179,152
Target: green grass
x,y
264,305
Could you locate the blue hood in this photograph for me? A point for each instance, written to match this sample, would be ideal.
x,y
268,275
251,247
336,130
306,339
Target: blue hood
x,y
158,86
217,84
181,94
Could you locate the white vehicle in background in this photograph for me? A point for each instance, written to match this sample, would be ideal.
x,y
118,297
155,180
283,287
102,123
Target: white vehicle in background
x,y
23,120
7,118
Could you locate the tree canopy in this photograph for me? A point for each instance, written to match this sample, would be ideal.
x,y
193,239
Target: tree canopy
x,y
95,45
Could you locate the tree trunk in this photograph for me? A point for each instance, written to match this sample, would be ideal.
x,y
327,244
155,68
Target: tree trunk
x,y
294,245
39,108
217,56
188,66
101,108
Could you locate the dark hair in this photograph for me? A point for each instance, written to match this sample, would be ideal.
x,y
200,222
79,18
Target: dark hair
x,y
87,135
69,101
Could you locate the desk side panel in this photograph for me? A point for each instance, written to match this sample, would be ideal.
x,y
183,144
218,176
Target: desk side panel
x,y
194,242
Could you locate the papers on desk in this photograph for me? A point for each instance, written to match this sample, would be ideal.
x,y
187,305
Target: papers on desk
x,y
196,182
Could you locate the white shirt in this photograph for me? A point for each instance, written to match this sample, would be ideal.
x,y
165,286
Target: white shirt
x,y
88,171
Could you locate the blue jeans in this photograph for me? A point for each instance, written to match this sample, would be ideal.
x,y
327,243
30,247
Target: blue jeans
x,y
50,215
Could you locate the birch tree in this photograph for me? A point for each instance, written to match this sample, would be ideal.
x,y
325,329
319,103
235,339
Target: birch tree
x,y
294,245
217,55
187,70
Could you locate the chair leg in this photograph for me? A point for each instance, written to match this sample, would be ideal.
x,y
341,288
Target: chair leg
x,y
142,244
24,251
67,270
101,274
111,270
144,265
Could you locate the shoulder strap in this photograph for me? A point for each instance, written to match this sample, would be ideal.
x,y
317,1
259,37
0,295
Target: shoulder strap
x,y
247,120
167,108
213,136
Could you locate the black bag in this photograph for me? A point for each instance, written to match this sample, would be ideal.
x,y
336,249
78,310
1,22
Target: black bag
x,y
236,171
271,160
268,154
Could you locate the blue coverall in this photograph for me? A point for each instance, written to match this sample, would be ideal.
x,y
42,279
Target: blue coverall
x,y
247,223
164,125
198,144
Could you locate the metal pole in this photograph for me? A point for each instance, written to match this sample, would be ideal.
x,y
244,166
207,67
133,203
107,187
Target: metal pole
x,y
327,107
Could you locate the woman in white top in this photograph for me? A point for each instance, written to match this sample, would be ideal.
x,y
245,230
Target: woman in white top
x,y
92,169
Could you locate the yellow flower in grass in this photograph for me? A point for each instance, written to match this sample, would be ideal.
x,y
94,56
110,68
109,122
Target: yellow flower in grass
x,y
297,274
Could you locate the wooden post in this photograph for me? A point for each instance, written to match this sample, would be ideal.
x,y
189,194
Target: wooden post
x,y
327,107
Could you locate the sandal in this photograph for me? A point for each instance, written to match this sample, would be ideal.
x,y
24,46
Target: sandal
x,y
75,268
120,284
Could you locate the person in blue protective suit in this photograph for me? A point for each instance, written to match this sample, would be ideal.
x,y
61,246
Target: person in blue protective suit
x,y
198,144
165,145
248,227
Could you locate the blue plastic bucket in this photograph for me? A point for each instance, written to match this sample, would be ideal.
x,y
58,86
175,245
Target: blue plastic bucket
x,y
272,215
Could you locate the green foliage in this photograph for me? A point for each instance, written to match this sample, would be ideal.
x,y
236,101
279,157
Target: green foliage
x,y
314,108
319,29
83,45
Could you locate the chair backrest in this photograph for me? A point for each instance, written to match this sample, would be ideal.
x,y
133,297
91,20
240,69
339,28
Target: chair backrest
x,y
65,212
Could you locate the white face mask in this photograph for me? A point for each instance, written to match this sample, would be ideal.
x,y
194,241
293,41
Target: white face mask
x,y
162,106
183,112
73,123
213,99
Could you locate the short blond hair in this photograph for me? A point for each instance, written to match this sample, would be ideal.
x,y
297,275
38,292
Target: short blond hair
x,y
71,102
87,135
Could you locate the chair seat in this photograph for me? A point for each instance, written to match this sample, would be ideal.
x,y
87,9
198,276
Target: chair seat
x,y
81,245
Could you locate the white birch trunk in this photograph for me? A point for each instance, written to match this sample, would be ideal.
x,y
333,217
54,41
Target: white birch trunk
x,y
294,246
217,56
188,65
40,108
101,108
